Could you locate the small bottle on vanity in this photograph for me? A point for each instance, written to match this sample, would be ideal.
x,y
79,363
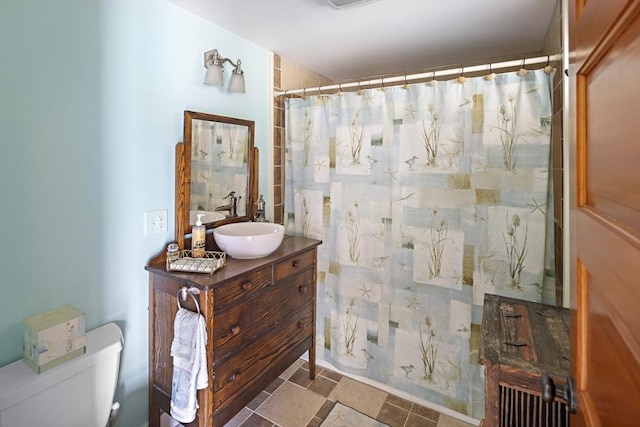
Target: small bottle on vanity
x,y
198,238
173,253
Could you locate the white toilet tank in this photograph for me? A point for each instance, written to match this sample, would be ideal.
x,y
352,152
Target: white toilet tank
x,y
78,393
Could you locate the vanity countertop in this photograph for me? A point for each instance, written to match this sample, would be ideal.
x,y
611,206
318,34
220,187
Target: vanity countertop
x,y
290,247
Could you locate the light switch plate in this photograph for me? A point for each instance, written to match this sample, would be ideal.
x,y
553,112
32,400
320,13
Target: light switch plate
x,y
155,222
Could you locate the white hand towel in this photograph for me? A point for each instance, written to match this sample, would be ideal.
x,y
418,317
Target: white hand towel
x,y
188,350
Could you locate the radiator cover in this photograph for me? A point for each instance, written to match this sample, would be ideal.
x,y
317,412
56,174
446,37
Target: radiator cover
x,y
521,341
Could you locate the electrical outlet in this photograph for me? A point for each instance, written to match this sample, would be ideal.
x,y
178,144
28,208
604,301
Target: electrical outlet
x,y
155,222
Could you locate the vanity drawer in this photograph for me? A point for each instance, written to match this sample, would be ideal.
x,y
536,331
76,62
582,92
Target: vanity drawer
x,y
294,264
241,288
234,328
237,373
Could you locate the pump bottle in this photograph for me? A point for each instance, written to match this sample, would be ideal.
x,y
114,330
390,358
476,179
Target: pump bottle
x,y
198,238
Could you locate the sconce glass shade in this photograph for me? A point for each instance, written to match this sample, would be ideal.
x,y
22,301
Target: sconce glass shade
x,y
214,63
213,76
236,83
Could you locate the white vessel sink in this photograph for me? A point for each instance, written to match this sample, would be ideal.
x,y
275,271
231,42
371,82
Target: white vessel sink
x,y
248,240
207,216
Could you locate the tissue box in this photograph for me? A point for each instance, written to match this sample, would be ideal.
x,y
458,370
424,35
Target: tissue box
x,y
53,337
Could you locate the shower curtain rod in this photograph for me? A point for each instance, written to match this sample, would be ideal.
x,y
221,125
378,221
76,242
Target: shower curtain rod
x,y
395,81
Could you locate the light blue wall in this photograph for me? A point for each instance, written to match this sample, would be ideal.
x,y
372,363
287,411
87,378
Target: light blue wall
x,y
92,95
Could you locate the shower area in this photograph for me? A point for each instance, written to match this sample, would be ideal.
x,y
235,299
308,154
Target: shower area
x,y
426,196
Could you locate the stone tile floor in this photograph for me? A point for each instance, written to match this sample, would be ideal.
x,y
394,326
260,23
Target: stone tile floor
x,y
294,400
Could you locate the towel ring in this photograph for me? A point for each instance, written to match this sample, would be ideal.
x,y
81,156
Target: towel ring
x,y
182,293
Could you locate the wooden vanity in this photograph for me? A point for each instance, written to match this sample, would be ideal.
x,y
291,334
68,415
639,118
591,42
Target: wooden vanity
x,y
260,316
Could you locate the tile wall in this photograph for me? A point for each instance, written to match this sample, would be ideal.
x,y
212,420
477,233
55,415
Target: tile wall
x,y
286,75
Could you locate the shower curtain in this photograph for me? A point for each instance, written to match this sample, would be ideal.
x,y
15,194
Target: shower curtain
x,y
426,197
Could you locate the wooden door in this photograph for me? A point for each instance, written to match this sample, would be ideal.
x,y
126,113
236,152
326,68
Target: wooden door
x,y
604,38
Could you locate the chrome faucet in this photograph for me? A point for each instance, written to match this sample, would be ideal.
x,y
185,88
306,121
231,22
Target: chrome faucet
x,y
259,216
232,206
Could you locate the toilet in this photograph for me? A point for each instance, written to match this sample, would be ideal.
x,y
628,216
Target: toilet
x,y
78,393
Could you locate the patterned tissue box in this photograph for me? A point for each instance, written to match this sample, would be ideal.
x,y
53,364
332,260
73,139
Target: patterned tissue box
x,y
53,337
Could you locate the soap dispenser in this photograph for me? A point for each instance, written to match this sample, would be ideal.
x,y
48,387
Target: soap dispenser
x,y
198,238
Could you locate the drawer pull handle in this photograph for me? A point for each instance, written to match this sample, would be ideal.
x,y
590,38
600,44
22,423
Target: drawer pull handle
x,y
233,377
567,393
247,286
303,289
295,263
300,324
235,330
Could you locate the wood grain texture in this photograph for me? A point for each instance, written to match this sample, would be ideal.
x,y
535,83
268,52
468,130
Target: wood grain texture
x,y
521,341
237,373
242,286
290,247
604,165
183,177
613,152
254,177
182,199
262,311
260,316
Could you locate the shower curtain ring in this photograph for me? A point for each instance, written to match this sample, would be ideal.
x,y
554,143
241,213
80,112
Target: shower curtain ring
x,y
382,83
522,71
548,68
462,78
491,74
433,80
406,83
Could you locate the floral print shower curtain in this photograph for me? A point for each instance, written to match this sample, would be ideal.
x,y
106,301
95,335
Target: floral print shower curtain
x,y
426,197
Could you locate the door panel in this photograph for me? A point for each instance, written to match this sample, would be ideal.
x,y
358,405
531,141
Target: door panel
x,y
604,164
612,184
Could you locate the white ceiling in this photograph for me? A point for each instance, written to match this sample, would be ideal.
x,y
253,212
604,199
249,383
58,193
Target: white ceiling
x,y
382,37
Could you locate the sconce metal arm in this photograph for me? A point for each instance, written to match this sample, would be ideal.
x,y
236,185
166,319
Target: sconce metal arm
x,y
213,57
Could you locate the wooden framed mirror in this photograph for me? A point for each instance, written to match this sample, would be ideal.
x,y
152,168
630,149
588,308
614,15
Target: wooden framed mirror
x,y
215,166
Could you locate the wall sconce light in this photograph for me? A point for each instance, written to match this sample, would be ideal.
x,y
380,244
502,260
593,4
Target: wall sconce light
x,y
213,62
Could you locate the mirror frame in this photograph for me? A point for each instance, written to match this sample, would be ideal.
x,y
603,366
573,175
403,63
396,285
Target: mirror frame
x,y
183,174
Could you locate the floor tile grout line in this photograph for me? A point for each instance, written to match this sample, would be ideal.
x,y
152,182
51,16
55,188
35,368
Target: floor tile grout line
x,y
325,373
274,391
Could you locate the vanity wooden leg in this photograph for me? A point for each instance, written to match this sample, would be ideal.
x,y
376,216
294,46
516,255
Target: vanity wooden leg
x,y
154,416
